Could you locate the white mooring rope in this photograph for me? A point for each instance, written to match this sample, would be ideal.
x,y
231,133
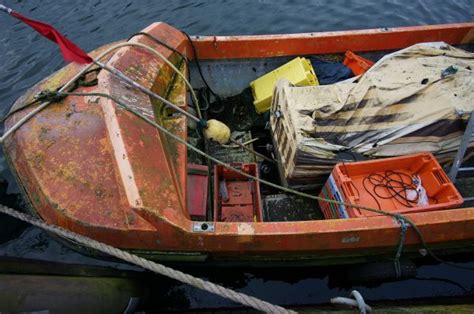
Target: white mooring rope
x,y
358,302
152,266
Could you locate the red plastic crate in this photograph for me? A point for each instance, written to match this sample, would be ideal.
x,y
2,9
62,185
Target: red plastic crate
x,y
236,198
346,183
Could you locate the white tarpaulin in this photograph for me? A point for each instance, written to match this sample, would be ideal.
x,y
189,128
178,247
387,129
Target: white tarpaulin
x,y
416,99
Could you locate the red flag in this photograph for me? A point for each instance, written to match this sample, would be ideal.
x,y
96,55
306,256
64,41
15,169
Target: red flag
x,y
70,51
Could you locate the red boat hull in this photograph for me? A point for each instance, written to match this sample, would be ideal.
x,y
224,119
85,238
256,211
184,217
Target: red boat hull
x,y
90,167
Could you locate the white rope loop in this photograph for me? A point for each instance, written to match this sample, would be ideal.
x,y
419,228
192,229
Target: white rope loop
x,y
357,302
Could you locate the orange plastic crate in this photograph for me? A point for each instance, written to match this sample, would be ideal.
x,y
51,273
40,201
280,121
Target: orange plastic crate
x,y
346,184
357,64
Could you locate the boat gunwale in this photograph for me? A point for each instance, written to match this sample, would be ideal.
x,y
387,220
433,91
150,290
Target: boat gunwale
x,y
374,39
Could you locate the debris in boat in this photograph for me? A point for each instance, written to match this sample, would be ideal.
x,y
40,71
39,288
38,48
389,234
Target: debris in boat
x,y
237,111
357,64
197,188
240,144
400,106
224,193
229,153
407,184
298,71
449,71
283,207
236,198
193,157
350,156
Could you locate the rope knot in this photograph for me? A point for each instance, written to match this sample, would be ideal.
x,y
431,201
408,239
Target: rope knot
x,y
201,125
51,96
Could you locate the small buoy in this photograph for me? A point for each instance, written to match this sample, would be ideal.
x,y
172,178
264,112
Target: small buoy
x,y
217,131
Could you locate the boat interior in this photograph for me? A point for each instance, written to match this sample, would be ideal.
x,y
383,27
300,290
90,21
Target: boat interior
x,y
233,105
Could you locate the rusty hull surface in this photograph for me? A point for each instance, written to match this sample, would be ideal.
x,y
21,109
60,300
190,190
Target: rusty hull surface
x,y
93,168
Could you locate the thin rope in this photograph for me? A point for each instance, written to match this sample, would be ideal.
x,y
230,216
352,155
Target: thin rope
x,y
152,266
42,105
162,43
198,64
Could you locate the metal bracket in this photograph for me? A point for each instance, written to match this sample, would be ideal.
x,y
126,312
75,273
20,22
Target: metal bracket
x,y
203,227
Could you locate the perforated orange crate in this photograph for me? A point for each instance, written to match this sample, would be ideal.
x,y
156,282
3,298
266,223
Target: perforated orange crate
x,y
357,64
346,184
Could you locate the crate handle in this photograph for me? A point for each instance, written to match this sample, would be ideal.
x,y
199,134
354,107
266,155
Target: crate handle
x,y
440,177
347,187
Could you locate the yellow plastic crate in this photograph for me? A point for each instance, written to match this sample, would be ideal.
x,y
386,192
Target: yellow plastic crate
x,y
298,71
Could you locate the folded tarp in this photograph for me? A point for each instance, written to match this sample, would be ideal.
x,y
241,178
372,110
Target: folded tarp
x,y
416,99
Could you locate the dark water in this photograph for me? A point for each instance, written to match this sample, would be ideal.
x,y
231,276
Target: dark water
x,y
26,58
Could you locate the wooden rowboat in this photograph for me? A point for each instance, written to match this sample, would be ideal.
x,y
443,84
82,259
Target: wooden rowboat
x,y
88,166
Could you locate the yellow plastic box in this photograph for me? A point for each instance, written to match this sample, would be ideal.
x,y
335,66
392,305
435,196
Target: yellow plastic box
x,y
298,71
